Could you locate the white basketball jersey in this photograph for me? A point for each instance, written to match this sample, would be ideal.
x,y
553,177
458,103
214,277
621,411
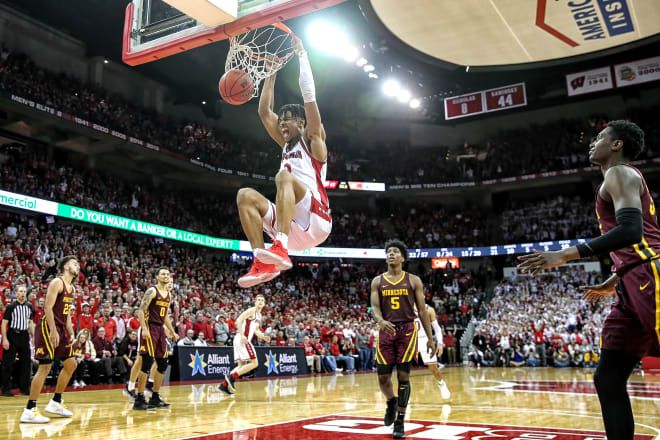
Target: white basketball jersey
x,y
250,325
298,160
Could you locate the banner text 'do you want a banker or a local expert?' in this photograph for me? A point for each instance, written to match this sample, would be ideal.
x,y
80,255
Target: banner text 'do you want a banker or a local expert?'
x,y
24,202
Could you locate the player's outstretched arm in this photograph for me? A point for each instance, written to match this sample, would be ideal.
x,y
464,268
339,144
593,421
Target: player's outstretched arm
x,y
624,186
315,133
266,113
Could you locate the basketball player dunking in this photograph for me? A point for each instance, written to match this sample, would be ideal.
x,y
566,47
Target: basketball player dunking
x,y
422,342
300,217
153,315
394,295
137,365
248,326
627,218
53,339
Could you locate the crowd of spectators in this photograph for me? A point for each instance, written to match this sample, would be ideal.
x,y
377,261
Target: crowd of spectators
x,y
555,145
190,140
559,144
556,218
323,307
26,171
541,322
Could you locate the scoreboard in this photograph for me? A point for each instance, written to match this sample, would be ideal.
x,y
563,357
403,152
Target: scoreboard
x,y
485,101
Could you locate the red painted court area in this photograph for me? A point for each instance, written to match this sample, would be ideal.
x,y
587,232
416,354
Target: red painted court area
x,y
371,428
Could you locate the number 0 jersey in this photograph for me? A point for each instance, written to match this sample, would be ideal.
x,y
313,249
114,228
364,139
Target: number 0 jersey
x,y
397,298
648,248
158,308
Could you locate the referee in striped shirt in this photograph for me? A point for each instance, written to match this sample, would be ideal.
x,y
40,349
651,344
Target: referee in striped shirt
x,y
17,326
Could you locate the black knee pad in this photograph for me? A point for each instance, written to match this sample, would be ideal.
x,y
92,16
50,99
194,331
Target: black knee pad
x,y
147,361
161,365
405,367
384,369
404,394
45,361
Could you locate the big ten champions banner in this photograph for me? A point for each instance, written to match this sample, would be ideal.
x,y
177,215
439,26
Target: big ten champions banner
x,y
212,363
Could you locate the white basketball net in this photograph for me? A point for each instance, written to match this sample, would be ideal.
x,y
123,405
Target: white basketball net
x,y
260,52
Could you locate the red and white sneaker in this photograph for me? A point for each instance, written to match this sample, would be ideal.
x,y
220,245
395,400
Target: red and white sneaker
x,y
259,273
276,254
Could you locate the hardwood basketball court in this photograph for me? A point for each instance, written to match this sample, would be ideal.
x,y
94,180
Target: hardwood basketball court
x,y
536,404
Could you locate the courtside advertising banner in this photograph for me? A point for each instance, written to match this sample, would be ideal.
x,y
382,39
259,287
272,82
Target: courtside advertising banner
x,y
589,81
204,363
281,361
637,72
212,363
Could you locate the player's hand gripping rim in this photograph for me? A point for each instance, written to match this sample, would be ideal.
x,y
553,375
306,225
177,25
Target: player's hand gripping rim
x,y
538,261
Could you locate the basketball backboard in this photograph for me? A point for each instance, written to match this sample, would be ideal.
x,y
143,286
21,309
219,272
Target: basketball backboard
x,y
153,29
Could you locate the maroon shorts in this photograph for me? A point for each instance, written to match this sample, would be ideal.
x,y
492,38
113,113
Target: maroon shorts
x,y
400,348
43,348
155,345
633,325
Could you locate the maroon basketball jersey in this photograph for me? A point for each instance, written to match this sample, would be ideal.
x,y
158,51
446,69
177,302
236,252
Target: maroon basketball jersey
x,y
158,308
648,248
397,298
62,306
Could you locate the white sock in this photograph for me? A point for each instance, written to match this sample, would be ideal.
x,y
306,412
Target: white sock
x,y
131,386
283,238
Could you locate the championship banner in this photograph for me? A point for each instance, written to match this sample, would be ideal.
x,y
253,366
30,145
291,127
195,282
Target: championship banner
x,y
589,81
637,72
212,363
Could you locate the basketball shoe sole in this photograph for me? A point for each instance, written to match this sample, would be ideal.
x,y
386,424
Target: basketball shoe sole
x,y
265,256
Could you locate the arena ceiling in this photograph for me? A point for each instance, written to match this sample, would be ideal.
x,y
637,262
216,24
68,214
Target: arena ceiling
x,y
513,32
192,76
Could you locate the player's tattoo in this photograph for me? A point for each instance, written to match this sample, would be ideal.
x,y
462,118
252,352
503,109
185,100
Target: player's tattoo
x,y
146,299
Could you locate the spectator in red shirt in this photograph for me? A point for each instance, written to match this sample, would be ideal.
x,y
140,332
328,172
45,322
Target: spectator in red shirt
x,y
313,360
450,345
85,316
209,333
539,340
107,323
39,310
281,340
200,323
327,332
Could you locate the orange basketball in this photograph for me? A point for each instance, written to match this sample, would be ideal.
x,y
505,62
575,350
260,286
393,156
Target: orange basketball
x,y
236,87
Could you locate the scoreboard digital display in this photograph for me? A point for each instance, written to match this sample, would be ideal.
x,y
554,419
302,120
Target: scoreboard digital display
x,y
492,100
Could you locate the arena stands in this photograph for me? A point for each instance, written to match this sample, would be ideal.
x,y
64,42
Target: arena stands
x,y
545,318
26,172
315,300
555,145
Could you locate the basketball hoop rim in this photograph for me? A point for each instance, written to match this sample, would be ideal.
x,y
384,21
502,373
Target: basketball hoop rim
x,y
280,26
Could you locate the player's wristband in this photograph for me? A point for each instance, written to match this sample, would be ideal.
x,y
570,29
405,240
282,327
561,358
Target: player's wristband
x,y
628,231
306,79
